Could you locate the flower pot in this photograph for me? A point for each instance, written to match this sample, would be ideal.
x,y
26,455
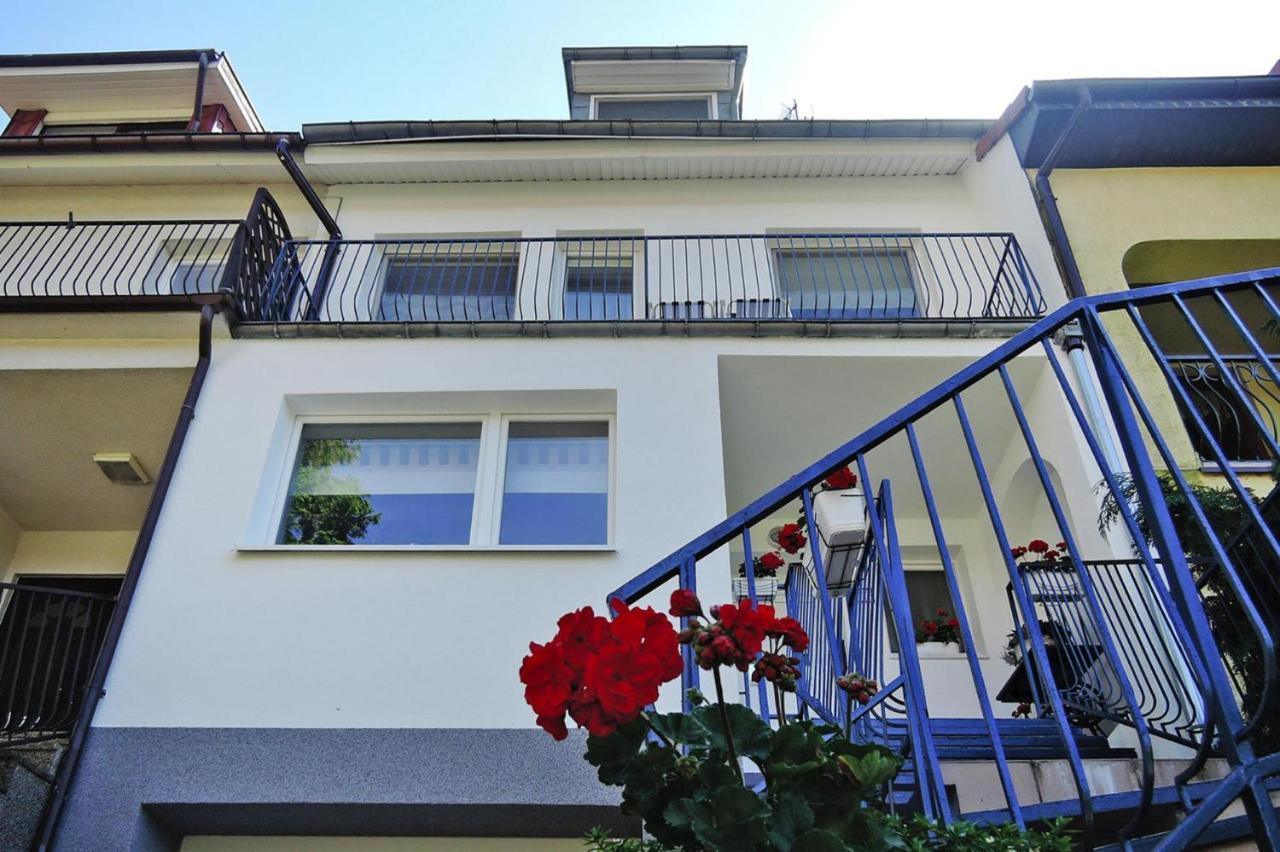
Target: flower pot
x,y
935,650
841,520
766,589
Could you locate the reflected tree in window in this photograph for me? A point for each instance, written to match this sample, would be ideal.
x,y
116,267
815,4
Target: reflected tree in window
x,y
327,517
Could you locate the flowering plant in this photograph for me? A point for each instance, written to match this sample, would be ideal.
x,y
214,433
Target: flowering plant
x,y
764,565
681,772
1038,551
944,628
843,479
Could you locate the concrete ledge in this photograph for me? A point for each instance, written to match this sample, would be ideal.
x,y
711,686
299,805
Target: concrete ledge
x,y
146,788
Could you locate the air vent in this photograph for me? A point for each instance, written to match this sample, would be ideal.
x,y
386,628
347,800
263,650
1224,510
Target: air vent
x,y
121,468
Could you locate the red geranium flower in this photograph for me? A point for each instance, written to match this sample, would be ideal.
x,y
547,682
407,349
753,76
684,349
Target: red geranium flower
x,y
1018,552
790,632
954,622
1037,545
771,561
685,603
548,681
581,634
842,479
790,538
929,627
624,681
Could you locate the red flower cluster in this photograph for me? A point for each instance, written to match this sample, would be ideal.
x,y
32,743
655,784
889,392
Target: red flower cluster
x,y
946,628
737,635
780,669
841,480
858,688
1041,550
791,538
768,564
602,673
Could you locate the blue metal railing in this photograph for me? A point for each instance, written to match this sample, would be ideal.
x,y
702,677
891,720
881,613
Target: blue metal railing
x,y
819,277
1005,450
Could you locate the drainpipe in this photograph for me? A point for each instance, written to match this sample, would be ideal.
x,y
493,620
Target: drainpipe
x,y
95,690
1049,204
322,213
201,73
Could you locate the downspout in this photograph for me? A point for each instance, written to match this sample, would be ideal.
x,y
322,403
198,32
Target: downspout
x,y
201,74
317,296
1073,341
137,560
1049,204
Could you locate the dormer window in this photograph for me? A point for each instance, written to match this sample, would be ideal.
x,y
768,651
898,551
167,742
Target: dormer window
x,y
653,107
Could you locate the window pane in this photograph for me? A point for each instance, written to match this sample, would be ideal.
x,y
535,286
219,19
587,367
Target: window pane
x,y
557,484
842,283
927,593
451,286
597,288
199,277
676,109
383,484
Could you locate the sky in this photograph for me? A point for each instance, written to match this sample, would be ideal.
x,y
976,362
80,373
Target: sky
x,y
326,60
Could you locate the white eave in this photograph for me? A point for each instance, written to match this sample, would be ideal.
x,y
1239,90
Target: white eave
x,y
115,92
627,76
417,161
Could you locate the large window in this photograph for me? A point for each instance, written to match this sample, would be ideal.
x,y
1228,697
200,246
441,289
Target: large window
x,y
927,593
670,108
845,283
496,479
450,284
383,484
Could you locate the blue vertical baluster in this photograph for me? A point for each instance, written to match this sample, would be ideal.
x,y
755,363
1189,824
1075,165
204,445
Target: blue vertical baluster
x,y
749,571
966,632
692,677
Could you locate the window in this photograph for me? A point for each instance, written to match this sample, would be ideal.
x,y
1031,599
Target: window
x,y
191,265
383,484
556,486
491,479
927,592
196,277
846,283
671,108
448,285
598,288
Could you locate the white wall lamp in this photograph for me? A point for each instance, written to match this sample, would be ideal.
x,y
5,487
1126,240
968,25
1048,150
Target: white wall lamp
x,y
121,468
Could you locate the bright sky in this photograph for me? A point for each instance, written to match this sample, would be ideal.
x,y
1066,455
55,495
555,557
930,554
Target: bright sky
x,y
338,60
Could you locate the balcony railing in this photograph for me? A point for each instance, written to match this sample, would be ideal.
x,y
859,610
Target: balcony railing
x,y
750,277
94,260
49,644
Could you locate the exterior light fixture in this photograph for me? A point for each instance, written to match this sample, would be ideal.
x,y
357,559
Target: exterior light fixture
x,y
121,468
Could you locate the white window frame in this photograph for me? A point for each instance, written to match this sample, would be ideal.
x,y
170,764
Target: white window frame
x,y
186,252
490,478
713,109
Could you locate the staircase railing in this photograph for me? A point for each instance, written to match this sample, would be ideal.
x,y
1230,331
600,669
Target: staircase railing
x,y
1006,448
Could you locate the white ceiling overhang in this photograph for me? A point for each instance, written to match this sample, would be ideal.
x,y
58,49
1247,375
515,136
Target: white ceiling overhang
x,y
629,159
624,76
148,91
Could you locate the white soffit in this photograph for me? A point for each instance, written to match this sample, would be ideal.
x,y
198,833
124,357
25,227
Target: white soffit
x,y
627,76
210,167
628,160
148,91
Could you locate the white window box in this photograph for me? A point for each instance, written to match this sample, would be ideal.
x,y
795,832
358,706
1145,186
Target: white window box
x,y
841,520
937,650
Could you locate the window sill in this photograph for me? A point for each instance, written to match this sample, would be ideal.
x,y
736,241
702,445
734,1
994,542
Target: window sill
x,y
426,548
1238,467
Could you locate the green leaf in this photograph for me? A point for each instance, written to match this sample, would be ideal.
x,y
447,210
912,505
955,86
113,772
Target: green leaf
x,y
681,728
695,696
791,817
818,840
871,770
796,745
612,755
751,736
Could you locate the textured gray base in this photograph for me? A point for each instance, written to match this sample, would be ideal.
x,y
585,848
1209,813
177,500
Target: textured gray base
x,y
146,788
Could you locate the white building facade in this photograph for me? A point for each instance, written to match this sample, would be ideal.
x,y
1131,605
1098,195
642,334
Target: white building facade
x,y
538,357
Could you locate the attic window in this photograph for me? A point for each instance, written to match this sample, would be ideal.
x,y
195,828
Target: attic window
x,y
659,107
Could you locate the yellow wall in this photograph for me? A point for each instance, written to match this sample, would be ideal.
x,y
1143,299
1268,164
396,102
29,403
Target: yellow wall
x,y
137,201
1115,219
